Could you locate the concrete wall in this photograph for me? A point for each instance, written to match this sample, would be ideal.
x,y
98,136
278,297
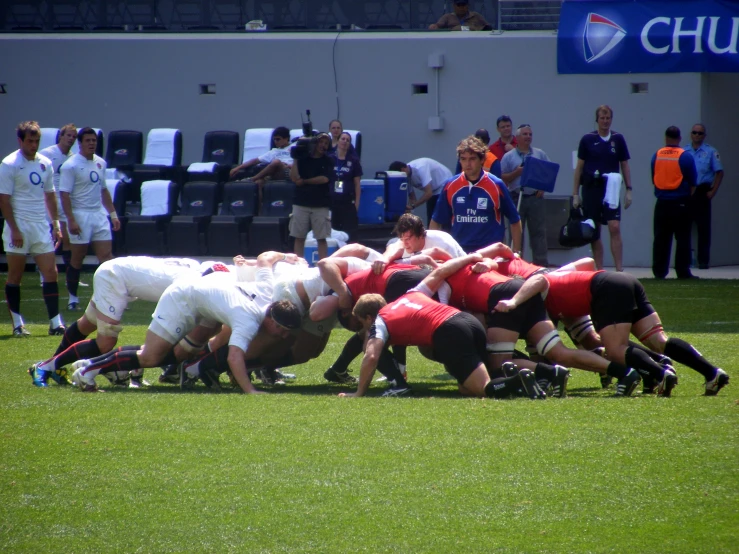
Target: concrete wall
x,y
140,82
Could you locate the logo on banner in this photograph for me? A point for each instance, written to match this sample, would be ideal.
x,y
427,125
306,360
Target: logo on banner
x,y
601,35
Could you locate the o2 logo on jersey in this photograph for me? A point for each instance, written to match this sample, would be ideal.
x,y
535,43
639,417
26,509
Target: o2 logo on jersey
x,y
94,176
35,179
482,203
111,309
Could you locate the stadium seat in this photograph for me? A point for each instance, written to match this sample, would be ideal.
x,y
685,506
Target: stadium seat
x,y
220,148
162,159
356,141
125,149
228,233
256,143
49,137
187,230
118,192
146,233
270,230
277,198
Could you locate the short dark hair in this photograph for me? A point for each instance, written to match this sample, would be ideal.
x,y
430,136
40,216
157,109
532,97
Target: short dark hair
x,y
397,166
30,128
348,320
282,132
503,118
412,223
483,135
673,132
285,313
86,131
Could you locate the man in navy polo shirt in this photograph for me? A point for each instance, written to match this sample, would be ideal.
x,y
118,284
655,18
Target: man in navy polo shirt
x,y
475,202
599,153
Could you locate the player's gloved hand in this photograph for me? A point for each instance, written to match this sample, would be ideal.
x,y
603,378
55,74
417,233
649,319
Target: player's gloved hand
x,y
627,200
576,201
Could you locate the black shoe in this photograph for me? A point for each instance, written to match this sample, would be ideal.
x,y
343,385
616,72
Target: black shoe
x,y
57,331
719,381
269,376
210,378
605,381
529,386
73,307
688,276
626,385
341,378
398,390
559,384
669,380
169,374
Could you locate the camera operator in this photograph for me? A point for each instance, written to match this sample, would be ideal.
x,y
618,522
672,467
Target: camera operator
x,y
313,175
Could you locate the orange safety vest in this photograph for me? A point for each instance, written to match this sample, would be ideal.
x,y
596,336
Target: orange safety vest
x,y
667,172
489,160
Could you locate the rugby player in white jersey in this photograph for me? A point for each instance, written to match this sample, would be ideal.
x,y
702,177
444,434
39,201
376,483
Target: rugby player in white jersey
x,y
190,310
83,192
26,197
58,154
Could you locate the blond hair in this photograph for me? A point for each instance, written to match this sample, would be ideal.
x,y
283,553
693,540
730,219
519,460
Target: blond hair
x,y
368,305
472,144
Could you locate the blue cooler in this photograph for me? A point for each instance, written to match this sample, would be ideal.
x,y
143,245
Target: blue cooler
x,y
310,253
396,193
372,201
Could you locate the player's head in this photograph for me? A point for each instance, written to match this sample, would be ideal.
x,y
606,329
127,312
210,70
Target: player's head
x,y
483,135
282,317
88,141
67,135
280,137
473,145
471,153
367,308
29,136
411,232
604,116
400,166
349,321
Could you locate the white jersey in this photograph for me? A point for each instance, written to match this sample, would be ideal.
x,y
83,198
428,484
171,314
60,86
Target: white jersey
x,y
282,154
440,239
84,180
57,158
26,181
425,171
241,306
147,278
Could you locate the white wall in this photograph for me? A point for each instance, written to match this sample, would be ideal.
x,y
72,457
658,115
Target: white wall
x,y
140,82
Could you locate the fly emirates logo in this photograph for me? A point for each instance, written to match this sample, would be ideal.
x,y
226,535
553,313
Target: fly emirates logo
x,y
471,216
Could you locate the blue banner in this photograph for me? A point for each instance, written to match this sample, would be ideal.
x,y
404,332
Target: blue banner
x,y
676,36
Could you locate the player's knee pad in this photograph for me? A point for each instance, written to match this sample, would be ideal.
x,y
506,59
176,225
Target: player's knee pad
x,y
500,347
650,332
190,346
106,329
91,314
547,342
579,328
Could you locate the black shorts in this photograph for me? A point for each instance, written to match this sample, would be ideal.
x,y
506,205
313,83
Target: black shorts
x,y
459,344
401,282
594,208
520,320
617,298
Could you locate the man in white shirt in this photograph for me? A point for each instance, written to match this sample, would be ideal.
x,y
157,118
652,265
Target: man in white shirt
x,y
190,310
83,191
427,175
58,154
26,197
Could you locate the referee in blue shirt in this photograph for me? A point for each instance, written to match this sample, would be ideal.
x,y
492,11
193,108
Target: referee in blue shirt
x,y
710,175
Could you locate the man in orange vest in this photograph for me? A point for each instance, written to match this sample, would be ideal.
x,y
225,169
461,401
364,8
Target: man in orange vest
x,y
673,176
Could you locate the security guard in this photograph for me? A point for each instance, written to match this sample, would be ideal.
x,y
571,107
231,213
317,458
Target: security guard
x,y
710,174
673,176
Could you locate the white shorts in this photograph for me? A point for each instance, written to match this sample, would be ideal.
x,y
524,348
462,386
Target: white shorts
x,y
94,226
109,292
59,208
36,238
172,318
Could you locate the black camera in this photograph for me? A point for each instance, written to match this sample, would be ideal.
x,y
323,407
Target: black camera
x,y
304,145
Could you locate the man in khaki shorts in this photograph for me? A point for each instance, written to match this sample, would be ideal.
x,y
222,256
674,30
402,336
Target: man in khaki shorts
x,y
313,177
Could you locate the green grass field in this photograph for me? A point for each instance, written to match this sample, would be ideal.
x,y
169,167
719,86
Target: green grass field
x,y
160,470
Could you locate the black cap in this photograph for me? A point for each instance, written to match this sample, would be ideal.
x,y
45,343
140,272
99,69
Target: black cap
x,y
285,314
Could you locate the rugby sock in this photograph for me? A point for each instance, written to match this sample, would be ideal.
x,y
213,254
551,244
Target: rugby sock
x,y
651,353
82,350
641,362
617,370
73,282
50,292
13,297
399,353
215,361
389,368
170,358
351,350
71,335
127,360
503,387
66,258
104,357
686,354
544,371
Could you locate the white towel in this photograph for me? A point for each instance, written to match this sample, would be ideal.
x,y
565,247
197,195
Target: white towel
x,y
155,197
613,189
202,167
340,237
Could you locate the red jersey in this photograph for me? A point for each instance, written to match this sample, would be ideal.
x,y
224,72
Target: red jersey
x,y
413,318
470,291
517,266
569,293
366,282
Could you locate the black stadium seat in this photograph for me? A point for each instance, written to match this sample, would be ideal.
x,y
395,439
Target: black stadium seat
x,y
146,233
219,147
187,230
125,149
228,233
270,230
